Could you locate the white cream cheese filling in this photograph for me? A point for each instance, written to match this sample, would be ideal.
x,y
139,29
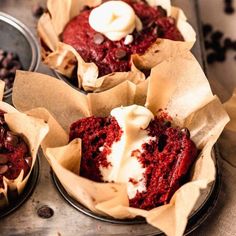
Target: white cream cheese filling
x,y
125,168
114,19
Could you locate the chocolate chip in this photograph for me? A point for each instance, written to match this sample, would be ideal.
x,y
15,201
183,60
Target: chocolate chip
x,y
227,43
29,161
3,158
45,212
207,44
98,38
120,53
216,36
211,58
37,10
207,28
12,138
220,56
229,10
3,169
186,131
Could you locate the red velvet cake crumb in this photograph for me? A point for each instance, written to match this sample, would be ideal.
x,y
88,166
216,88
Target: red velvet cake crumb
x,y
14,153
167,158
112,56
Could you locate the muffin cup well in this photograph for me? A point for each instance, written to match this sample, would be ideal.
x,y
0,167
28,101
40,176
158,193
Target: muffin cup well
x,y
186,96
63,58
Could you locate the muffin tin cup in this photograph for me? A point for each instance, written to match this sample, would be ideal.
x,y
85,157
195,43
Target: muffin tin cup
x,y
28,190
199,215
16,37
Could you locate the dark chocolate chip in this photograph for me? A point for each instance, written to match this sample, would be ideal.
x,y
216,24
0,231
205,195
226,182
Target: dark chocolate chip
x,y
37,10
220,56
186,131
12,138
217,35
207,28
234,45
3,169
227,43
98,38
45,212
29,161
211,58
3,158
120,53
208,44
229,10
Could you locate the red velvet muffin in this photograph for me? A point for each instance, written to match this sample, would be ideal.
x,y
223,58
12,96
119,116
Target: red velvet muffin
x,y
114,56
165,157
14,153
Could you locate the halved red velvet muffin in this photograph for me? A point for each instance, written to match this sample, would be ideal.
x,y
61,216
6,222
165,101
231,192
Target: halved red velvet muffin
x,y
14,153
163,159
114,56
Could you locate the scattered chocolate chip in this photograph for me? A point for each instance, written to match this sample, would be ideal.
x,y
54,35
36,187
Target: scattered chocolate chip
x,y
229,10
37,10
234,45
120,53
45,212
186,131
227,43
9,63
29,161
98,38
3,169
3,159
217,35
207,44
220,56
207,28
211,58
12,138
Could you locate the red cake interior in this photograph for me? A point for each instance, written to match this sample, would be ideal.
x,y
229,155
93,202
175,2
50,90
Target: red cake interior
x,y
14,153
167,159
107,54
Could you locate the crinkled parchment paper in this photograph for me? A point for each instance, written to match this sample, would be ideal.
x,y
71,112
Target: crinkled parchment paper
x,y
63,57
33,131
183,90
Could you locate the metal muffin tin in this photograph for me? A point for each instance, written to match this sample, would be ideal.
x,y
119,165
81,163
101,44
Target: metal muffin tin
x,y
201,211
16,37
28,190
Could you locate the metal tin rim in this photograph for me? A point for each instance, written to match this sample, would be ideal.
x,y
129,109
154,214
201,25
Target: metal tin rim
x,y
24,30
28,190
196,218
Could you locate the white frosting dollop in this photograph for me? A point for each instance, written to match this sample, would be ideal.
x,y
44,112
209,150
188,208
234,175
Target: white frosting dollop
x,y
114,19
133,120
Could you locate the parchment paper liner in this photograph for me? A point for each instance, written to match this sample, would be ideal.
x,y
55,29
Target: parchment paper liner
x,y
63,57
183,90
33,130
